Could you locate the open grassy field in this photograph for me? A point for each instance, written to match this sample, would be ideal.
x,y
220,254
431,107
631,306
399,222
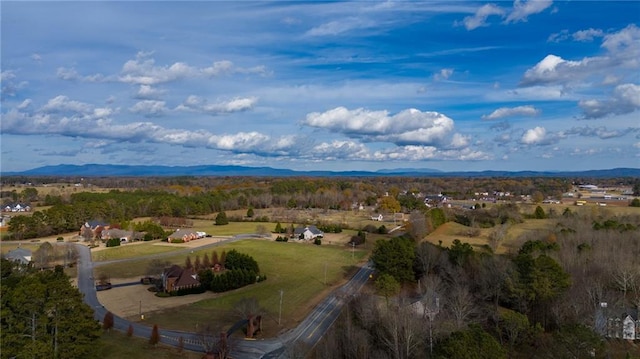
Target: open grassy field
x,y
450,231
295,268
132,250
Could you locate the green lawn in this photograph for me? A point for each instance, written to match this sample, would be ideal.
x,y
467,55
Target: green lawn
x,y
296,269
132,250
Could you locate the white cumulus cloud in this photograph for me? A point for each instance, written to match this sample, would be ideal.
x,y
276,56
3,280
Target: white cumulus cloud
x,y
149,108
410,126
512,111
148,92
625,99
197,104
534,136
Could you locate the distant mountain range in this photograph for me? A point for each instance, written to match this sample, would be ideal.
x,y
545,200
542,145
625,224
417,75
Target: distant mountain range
x,y
98,170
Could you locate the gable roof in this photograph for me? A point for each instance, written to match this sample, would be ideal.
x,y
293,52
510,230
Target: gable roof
x,y
19,255
180,233
187,278
184,277
313,229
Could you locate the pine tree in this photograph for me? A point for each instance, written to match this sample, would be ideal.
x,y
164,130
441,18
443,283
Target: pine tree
x,y
221,219
197,264
206,263
278,228
223,258
187,263
214,258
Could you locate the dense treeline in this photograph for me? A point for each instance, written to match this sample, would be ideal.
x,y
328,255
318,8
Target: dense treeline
x,y
43,315
541,301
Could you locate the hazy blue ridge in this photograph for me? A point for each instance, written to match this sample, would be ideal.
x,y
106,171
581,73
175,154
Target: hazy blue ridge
x,y
101,170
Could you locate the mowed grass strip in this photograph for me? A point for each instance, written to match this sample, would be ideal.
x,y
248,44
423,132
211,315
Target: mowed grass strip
x,y
295,268
132,250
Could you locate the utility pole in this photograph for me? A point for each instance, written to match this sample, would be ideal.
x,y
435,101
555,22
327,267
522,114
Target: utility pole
x,y
280,311
325,273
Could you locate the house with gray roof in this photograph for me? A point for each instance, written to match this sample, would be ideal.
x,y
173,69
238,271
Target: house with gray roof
x,y
19,255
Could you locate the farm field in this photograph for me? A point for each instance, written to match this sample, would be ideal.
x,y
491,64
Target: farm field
x,y
450,231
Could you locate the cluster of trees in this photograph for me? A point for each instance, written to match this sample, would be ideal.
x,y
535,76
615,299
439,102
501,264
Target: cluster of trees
x,y
43,315
239,270
467,302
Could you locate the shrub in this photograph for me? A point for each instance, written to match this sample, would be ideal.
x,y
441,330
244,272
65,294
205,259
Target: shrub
x,y
317,241
635,202
176,240
113,242
60,239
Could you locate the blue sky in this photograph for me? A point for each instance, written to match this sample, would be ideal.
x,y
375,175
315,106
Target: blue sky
x,y
364,85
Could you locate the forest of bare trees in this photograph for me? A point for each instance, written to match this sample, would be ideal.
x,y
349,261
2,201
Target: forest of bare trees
x,y
544,301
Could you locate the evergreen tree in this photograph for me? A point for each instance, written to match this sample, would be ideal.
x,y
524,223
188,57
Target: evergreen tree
x,y
395,257
197,265
206,262
43,316
221,219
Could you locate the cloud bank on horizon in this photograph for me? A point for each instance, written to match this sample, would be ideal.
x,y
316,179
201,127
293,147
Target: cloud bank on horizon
x,y
523,85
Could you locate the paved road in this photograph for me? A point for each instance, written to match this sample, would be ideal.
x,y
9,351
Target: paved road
x,y
309,331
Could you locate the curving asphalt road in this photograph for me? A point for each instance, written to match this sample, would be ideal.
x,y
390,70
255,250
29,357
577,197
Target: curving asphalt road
x,y
309,331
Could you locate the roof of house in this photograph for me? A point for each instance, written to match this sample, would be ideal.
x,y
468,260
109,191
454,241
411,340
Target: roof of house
x,y
179,233
312,229
95,223
19,254
185,276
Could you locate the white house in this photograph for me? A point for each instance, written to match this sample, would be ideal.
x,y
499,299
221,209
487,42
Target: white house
x,y
20,255
629,328
308,233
